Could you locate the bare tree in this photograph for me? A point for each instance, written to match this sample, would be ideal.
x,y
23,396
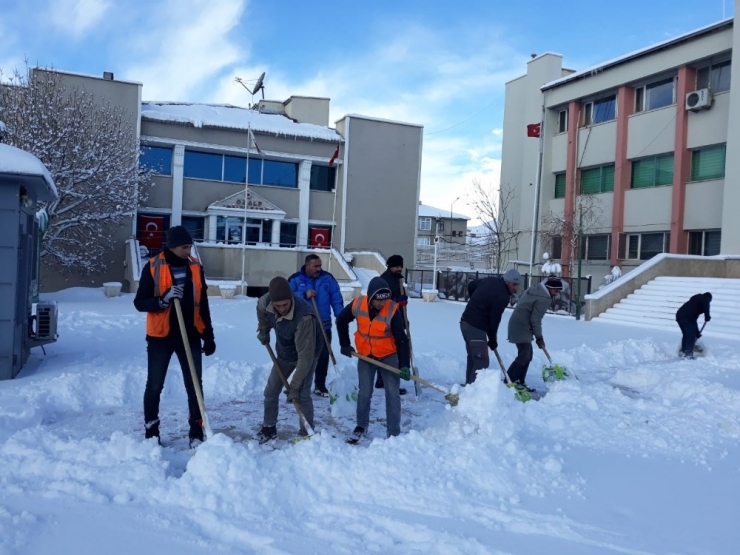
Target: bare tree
x,y
494,209
90,148
586,217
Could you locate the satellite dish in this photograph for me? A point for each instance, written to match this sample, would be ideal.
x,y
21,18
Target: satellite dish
x,y
258,86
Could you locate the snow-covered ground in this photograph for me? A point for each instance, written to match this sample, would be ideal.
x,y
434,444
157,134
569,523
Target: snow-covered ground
x,y
639,456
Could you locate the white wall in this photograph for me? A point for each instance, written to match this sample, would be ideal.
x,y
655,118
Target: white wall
x,y
648,209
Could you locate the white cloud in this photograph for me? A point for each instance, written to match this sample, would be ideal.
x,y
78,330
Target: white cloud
x,y
76,17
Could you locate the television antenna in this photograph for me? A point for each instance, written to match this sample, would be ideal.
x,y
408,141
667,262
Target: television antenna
x,y
258,86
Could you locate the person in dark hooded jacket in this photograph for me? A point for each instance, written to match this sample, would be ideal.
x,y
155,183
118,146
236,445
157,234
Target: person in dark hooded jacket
x,y
479,322
687,317
393,276
380,335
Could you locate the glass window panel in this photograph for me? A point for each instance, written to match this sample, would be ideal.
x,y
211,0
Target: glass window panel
x,y
590,181
235,169
156,158
702,77
588,113
664,170
202,165
643,173
323,178
720,79
659,94
423,241
195,225
605,109
598,247
229,229
708,163
288,234
255,171
281,174
425,224
633,248
712,240
695,242
563,121
651,245
560,185
639,99
557,248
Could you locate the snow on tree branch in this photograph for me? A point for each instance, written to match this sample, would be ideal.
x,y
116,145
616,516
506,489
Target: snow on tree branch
x,y
90,148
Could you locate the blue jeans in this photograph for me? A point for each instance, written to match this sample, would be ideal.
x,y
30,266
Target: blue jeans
x,y
275,386
391,383
158,360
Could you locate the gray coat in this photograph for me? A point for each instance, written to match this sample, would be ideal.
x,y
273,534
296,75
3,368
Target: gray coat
x,y
526,320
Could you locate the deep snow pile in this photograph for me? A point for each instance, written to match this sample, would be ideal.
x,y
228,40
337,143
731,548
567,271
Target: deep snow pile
x,y
640,455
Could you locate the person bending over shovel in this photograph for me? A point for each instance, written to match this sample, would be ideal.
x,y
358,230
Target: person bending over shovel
x,y
526,321
381,335
298,347
687,317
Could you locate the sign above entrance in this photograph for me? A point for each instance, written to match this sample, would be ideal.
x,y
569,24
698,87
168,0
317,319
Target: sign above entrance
x,y
255,202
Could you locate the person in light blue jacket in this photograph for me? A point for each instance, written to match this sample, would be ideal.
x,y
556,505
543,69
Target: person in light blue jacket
x,y
313,282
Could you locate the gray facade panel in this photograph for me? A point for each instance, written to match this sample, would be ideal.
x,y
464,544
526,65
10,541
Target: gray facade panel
x,y
159,195
382,189
286,199
321,206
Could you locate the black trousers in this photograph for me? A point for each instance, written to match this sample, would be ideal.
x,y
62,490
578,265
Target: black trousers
x,y
476,346
158,359
322,366
690,331
518,368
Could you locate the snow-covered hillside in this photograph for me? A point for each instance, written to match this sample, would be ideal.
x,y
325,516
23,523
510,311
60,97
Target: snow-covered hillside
x,y
639,456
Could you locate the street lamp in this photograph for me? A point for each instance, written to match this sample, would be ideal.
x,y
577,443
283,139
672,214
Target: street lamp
x,y
436,247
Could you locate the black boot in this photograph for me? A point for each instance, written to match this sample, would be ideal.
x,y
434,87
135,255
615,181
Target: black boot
x,y
267,433
196,429
152,430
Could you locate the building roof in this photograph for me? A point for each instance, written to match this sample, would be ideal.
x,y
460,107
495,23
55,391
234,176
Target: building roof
x,y
588,72
430,211
227,116
33,173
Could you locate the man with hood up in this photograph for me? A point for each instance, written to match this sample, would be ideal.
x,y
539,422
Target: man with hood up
x,y
687,317
380,335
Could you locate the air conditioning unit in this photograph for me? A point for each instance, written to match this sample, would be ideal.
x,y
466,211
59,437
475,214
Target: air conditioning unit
x,y
45,320
698,100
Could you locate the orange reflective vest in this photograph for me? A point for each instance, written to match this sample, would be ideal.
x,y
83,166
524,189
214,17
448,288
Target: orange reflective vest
x,y
374,337
158,323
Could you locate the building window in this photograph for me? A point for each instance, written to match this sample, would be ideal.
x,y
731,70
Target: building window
x,y
288,234
556,249
196,226
708,163
157,159
597,180
705,243
655,95
595,247
560,185
643,246
229,229
715,77
202,165
652,172
423,241
323,178
440,225
563,121
235,169
279,174
600,111
425,223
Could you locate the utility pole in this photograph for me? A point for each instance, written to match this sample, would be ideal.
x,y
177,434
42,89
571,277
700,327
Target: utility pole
x,y
436,247
580,257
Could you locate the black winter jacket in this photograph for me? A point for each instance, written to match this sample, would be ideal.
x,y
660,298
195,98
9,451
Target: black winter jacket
x,y
394,282
145,301
694,307
487,303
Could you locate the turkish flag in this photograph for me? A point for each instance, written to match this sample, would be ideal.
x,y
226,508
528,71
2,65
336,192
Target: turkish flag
x,y
151,231
334,157
319,237
533,130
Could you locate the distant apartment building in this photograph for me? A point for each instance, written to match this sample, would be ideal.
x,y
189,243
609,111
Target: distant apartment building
x,y
275,180
636,152
450,230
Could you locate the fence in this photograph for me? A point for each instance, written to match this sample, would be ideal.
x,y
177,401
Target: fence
x,y
453,286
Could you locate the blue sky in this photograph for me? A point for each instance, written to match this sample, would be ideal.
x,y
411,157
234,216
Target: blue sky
x,y
442,65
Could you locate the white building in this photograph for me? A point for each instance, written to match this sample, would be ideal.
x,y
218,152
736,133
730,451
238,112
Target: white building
x,y
639,144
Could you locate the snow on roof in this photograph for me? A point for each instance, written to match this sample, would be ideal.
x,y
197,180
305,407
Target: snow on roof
x,y
371,118
638,53
19,162
431,211
227,116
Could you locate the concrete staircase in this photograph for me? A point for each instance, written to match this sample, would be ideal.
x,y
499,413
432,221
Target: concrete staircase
x,y
654,305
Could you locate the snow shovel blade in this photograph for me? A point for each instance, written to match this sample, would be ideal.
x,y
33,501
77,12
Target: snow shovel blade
x,y
555,373
520,392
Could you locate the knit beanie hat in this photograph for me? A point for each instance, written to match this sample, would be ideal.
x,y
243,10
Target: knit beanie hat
x,y
394,261
378,289
708,295
178,236
512,276
280,290
553,283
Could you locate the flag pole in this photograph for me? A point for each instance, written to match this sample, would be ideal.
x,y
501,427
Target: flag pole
x,y
334,211
246,204
536,207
